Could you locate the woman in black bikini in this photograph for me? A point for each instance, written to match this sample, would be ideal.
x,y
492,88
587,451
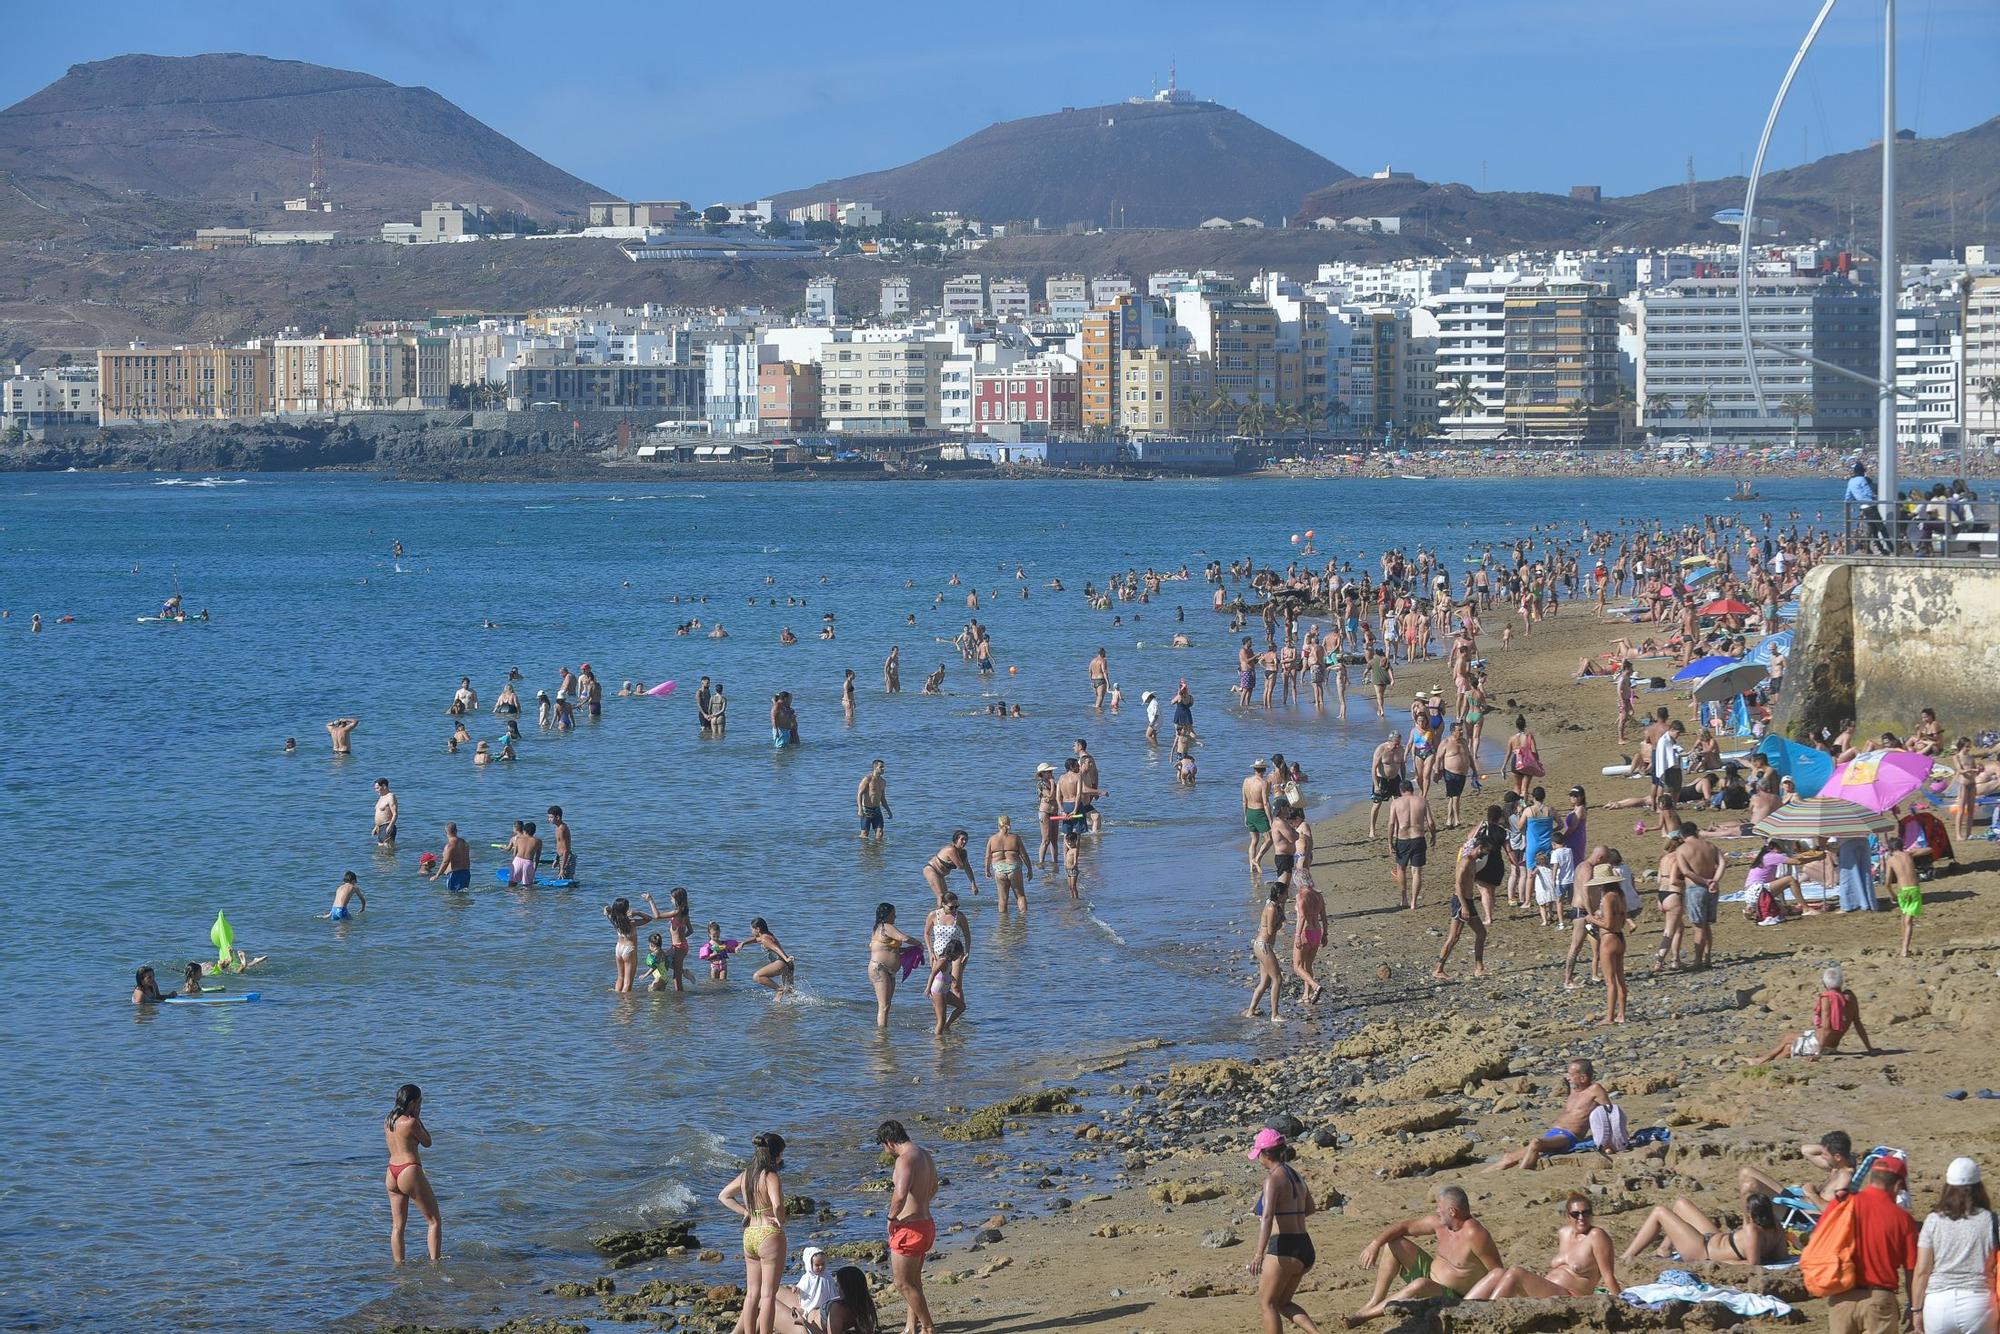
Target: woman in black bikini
x,y
1284,1253
951,857
1607,924
1759,1241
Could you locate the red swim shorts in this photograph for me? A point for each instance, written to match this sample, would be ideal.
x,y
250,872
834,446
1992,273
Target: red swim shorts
x,y
913,1237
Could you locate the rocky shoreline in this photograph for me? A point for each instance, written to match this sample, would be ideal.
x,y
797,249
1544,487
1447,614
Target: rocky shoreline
x,y
1119,1198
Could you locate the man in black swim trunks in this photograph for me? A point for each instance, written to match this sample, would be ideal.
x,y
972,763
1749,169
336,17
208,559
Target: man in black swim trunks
x,y
1481,865
1385,774
1455,761
1284,839
1412,832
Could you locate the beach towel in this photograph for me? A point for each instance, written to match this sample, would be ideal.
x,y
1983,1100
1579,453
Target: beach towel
x,y
1637,1139
1678,1285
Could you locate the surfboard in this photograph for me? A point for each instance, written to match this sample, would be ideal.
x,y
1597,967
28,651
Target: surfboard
x,y
237,999
500,874
163,620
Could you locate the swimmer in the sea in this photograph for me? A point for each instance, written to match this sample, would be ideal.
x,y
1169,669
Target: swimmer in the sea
x,y
349,889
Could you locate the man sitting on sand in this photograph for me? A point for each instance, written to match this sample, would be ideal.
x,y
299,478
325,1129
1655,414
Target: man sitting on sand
x,y
1571,1126
1465,1254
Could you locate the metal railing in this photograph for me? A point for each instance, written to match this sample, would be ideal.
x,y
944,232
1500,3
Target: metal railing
x,y
1957,528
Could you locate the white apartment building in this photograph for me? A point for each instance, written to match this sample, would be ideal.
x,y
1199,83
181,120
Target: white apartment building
x,y
895,297
51,396
1106,288
1982,360
1617,270
1157,284
1067,296
881,386
729,385
964,297
823,301
1691,356
1471,350
955,377
1661,267
1007,299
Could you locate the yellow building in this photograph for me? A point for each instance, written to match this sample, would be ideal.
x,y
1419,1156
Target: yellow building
x,y
1161,391
159,384
399,372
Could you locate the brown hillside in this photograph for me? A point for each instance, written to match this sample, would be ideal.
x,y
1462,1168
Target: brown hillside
x,y
1156,164
214,130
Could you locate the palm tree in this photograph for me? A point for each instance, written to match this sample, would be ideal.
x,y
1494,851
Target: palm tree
x,y
1252,419
1218,407
1797,407
1337,409
1462,400
1701,408
1579,412
1658,406
1311,413
1622,402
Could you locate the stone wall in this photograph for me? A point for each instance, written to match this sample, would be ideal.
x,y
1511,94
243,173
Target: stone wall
x,y
1879,639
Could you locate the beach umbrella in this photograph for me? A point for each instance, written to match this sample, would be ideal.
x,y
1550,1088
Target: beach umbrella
x,y
1823,817
1778,643
1694,560
1693,577
1878,779
1807,767
1725,607
1731,680
1701,667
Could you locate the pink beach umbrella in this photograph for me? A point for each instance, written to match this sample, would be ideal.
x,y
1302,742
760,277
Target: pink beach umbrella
x,y
1878,779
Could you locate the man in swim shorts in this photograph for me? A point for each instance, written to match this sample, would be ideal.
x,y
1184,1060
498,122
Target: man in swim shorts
x,y
384,829
526,850
1257,812
912,1230
564,865
1404,1271
871,800
340,729
1571,1126
348,890
454,861
1385,776
1411,833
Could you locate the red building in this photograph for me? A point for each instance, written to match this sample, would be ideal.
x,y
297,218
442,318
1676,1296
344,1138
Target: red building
x,y
788,396
1043,391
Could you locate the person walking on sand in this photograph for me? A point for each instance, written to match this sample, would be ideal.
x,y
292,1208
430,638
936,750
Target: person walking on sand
x,y
886,945
1952,1288
405,1181
1412,833
1607,922
1385,776
757,1196
912,1230
1404,1271
1264,948
1480,866
1308,937
1284,1252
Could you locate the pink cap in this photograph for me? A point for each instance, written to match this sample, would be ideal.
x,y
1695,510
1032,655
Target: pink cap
x,y
1267,1140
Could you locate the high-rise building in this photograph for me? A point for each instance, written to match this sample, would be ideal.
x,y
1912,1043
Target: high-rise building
x,y
730,384
1128,323
1007,298
895,297
1929,365
142,384
881,386
1561,361
1471,354
1980,384
823,301
1692,377
964,297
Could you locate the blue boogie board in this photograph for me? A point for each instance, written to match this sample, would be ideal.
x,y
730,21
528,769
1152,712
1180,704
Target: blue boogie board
x,y
500,873
237,999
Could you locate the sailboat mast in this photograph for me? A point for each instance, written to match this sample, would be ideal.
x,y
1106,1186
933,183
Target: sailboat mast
x,y
1889,284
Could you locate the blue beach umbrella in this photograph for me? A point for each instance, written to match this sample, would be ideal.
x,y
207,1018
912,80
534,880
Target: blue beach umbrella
x,y
1809,769
1778,643
1701,667
1705,572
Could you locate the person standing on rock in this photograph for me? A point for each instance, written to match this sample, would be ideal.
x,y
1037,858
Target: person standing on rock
x,y
757,1196
912,1230
1284,1252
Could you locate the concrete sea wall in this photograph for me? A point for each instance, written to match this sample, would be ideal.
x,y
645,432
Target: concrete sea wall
x,y
1880,638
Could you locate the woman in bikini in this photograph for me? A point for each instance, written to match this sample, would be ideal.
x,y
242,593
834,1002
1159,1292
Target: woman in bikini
x,y
1524,760
886,944
1045,809
1686,1229
680,926
1309,935
779,966
627,924
951,857
1284,1254
1007,863
1583,1262
1607,923
852,1311
405,1181
757,1196
1263,945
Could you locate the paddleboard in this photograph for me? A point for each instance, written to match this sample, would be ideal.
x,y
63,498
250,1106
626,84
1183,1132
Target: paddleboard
x,y
500,874
238,999
163,620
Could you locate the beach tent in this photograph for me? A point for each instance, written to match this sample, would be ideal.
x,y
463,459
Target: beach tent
x,y
1809,769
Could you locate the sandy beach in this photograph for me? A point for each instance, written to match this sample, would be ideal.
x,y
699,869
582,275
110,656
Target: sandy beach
x,y
1399,1086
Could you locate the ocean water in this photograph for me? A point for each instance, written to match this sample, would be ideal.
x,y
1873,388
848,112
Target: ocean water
x,y
221,1168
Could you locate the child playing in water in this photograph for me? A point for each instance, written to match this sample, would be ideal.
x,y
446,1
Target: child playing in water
x,y
946,1003
717,953
656,962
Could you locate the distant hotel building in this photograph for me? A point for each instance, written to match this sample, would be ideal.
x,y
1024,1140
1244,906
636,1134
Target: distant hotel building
x,y
139,384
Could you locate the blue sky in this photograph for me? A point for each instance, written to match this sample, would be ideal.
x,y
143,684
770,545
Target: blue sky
x,y
729,101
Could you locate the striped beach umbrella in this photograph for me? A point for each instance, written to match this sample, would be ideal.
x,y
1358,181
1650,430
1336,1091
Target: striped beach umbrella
x,y
1823,817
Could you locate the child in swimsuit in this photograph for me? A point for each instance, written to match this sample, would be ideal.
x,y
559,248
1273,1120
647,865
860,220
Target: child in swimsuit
x,y
718,954
656,962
